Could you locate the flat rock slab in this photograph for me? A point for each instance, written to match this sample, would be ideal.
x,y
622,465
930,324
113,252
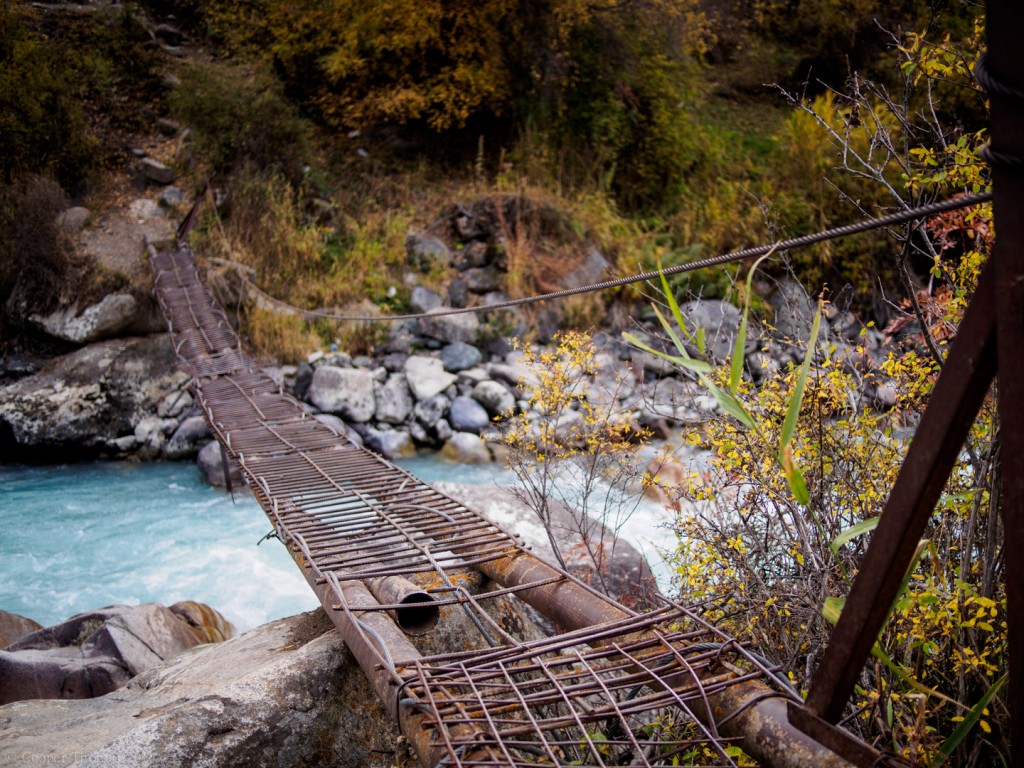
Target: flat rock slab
x,y
95,653
288,694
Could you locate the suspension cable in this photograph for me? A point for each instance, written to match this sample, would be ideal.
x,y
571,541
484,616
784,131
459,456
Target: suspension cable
x,y
864,225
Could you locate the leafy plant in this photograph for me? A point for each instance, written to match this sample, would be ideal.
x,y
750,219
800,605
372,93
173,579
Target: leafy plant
x,y
728,397
575,447
241,118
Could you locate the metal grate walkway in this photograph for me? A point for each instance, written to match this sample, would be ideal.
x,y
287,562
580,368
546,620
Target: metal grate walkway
x,y
385,551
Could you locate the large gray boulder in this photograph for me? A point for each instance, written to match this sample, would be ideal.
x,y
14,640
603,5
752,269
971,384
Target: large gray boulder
x,y
423,299
116,314
460,357
345,391
211,465
794,310
495,397
720,321
94,653
467,415
466,448
190,436
85,401
391,444
449,328
287,694
592,269
428,412
427,253
427,376
393,401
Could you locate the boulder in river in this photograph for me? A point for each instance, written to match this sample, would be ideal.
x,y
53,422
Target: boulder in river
x,y
94,653
212,466
466,448
187,440
391,444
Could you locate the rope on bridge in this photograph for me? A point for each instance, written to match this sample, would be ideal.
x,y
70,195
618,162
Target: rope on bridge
x,y
377,546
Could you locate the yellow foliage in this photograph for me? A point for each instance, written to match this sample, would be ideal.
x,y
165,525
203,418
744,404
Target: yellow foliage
x,y
576,447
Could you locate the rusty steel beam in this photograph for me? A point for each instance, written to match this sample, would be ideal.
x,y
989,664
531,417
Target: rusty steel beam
x,y
1003,78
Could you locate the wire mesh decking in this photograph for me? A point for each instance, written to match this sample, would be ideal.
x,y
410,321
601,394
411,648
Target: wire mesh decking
x,y
377,545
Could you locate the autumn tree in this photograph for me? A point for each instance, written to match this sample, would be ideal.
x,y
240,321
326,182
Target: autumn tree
x,y
608,82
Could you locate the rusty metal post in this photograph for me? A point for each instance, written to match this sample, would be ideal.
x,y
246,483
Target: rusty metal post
x,y
1005,84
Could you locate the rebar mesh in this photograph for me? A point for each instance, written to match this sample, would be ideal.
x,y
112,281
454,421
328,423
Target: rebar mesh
x,y
633,693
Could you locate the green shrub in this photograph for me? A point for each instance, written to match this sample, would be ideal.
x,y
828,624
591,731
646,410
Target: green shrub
x,y
42,125
240,117
71,87
35,256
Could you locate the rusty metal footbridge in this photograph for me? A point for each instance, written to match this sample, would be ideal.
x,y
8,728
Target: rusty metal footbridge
x,y
388,556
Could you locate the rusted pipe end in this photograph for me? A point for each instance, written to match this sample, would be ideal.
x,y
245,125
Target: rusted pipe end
x,y
419,614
